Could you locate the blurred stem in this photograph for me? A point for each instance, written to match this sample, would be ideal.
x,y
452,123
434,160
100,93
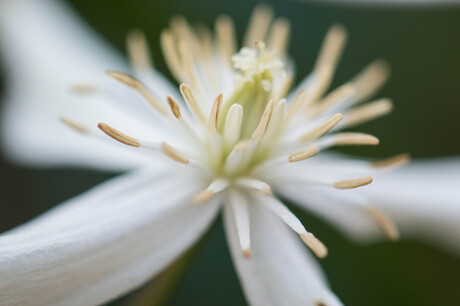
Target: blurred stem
x,y
159,291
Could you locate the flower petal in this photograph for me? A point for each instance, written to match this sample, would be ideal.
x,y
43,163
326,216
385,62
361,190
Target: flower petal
x,y
280,271
423,198
102,244
46,50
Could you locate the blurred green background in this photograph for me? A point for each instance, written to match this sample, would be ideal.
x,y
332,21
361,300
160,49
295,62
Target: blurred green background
x,y
423,47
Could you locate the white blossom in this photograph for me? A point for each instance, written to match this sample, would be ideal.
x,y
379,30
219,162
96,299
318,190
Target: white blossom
x,y
232,139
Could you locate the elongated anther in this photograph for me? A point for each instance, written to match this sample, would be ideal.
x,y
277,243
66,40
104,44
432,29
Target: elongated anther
x,y
279,36
76,126
139,87
255,184
258,24
191,102
119,136
206,194
369,112
225,32
203,196
332,99
214,116
371,79
247,253
174,106
174,154
353,183
83,88
170,52
386,224
263,123
314,244
321,129
332,46
304,154
138,50
394,161
342,139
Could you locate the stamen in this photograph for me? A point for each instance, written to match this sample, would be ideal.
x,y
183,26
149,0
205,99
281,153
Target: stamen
x,y
394,161
321,129
263,123
252,183
139,87
175,108
171,55
182,29
138,50
386,224
188,63
207,194
235,158
332,47
203,196
214,116
258,25
371,79
83,88
332,99
174,154
314,244
282,90
276,121
240,209
323,78
353,183
232,127
293,222
297,103
343,139
323,81
304,154
76,126
225,32
191,102
368,112
278,39
119,136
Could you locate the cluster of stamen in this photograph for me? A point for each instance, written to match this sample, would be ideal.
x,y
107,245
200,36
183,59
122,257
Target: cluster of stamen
x,y
244,134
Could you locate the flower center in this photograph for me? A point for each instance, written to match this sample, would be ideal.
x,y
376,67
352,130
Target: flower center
x,y
256,70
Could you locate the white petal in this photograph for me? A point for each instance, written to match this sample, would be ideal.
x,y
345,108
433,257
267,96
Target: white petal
x,y
424,200
102,244
46,50
281,271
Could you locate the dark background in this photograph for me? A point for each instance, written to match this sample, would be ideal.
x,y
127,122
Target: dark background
x,y
423,47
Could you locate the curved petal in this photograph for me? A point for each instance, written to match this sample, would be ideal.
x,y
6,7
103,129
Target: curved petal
x,y
46,50
424,200
280,271
103,243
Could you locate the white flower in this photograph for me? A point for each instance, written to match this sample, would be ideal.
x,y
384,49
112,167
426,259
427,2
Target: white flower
x,y
234,141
